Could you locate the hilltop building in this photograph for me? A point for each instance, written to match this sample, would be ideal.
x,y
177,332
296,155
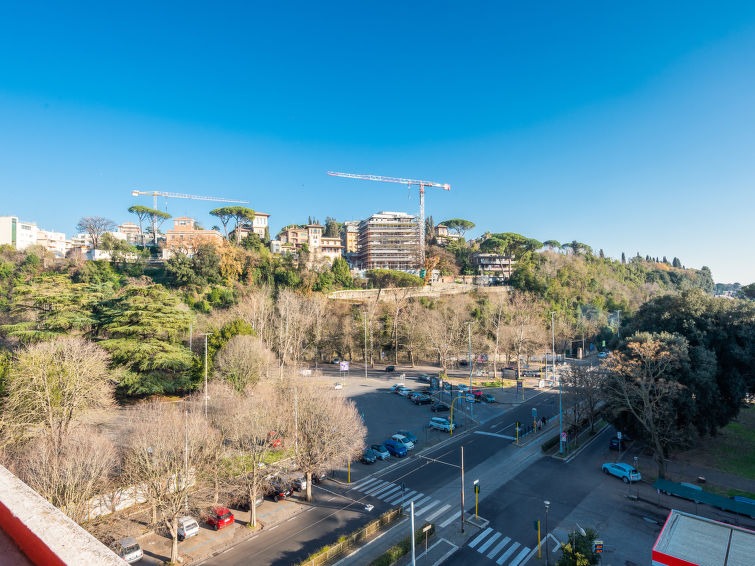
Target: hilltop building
x,y
186,238
389,240
259,226
293,238
16,233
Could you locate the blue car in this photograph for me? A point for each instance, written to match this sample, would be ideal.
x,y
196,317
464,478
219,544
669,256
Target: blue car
x,y
395,448
625,472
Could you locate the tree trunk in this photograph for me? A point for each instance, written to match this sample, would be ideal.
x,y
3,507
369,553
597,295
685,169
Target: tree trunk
x,y
252,506
154,512
309,486
216,486
173,528
411,357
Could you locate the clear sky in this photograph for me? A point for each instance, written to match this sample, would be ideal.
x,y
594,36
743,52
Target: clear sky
x,y
624,125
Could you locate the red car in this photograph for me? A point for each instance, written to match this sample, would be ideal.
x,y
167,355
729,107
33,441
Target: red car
x,y
477,394
219,517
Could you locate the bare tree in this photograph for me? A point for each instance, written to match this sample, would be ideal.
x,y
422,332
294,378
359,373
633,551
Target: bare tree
x,y
51,384
70,474
243,361
166,445
294,324
526,322
326,428
95,226
496,320
586,383
445,332
642,384
250,421
412,334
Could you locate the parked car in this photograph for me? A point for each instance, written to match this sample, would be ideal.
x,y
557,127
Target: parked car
x,y
403,440
241,502
338,386
220,517
279,489
390,368
408,435
274,439
336,361
395,386
477,394
424,378
439,423
129,550
298,482
624,471
317,477
369,456
422,399
404,391
462,387
381,451
617,444
396,448
489,398
187,528
439,408
414,394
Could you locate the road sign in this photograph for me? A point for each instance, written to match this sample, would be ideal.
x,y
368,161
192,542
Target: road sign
x,y
597,547
519,385
563,437
344,366
427,528
534,413
470,397
618,435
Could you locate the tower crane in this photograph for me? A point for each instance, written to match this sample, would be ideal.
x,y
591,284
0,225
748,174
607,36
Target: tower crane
x,y
155,194
409,183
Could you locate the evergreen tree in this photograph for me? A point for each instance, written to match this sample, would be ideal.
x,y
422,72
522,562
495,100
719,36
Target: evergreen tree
x,y
623,258
676,262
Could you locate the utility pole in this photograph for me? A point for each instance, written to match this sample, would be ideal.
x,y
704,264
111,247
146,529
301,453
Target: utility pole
x,y
414,554
547,505
462,487
206,398
553,344
469,329
186,459
618,324
365,343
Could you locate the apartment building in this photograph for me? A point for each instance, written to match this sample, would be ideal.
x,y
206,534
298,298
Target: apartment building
x,y
185,237
443,236
258,225
16,233
129,232
389,240
496,265
350,236
54,242
320,247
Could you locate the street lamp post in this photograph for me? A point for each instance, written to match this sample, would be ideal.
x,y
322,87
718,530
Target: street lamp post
x,y
469,329
365,343
618,323
547,506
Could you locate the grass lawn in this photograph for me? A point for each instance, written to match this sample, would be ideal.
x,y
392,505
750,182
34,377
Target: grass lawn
x,y
732,450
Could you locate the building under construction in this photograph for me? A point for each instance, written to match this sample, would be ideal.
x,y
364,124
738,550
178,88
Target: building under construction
x,y
389,240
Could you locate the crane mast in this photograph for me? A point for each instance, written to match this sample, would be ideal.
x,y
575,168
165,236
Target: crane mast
x,y
409,183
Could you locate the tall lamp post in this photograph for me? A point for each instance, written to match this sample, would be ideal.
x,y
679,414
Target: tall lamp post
x,y
206,334
469,331
365,343
560,417
547,506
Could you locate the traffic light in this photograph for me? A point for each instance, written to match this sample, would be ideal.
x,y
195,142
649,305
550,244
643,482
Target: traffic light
x,y
536,524
477,488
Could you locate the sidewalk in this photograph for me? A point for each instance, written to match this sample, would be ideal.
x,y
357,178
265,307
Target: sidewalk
x,y
208,542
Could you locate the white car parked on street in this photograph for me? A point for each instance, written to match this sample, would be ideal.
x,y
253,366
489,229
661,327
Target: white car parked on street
x,y
187,528
439,423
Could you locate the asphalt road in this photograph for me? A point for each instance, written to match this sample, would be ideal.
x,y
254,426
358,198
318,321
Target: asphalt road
x,y
324,522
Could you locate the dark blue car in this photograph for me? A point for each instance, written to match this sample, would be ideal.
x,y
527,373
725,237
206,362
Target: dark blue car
x,y
395,448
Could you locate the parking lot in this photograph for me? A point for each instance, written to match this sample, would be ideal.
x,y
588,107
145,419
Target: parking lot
x,y
384,412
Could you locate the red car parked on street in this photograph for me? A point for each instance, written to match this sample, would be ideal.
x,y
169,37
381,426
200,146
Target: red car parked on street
x,y
220,517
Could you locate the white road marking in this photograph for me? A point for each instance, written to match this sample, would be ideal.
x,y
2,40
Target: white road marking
x,y
364,484
390,491
494,434
375,488
508,553
426,508
519,557
488,542
479,537
448,521
438,512
498,547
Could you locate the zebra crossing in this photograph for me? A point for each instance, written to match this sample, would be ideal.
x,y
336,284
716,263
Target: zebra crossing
x,y
392,494
489,543
504,551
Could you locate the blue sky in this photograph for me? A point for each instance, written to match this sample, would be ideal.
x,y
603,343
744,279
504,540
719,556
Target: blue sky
x,y
627,126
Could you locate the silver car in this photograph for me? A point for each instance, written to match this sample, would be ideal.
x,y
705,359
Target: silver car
x,y
129,550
